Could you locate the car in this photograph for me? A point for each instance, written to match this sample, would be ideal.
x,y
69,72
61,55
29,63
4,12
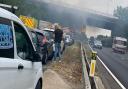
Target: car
x,y
41,44
20,64
49,33
68,41
97,44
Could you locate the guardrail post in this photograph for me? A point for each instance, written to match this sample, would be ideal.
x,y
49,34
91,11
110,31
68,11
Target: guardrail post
x,y
93,64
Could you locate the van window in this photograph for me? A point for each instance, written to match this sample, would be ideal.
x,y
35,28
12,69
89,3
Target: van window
x,y
6,39
23,43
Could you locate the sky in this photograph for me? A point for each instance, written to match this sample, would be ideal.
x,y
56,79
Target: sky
x,y
105,6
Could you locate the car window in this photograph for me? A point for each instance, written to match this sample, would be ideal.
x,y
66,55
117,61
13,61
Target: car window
x,y
48,34
23,43
6,39
40,38
34,37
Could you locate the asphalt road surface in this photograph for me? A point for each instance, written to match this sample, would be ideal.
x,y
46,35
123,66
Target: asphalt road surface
x,y
116,62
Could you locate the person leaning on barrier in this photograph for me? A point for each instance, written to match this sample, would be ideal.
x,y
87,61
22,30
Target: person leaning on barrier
x,y
57,39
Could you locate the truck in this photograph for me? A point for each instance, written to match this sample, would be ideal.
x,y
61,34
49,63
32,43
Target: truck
x,y
119,44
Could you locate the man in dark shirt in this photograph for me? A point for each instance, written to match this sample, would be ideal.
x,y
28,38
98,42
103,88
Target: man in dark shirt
x,y
58,38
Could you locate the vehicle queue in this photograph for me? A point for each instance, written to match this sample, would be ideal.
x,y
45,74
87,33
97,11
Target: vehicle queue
x,y
22,53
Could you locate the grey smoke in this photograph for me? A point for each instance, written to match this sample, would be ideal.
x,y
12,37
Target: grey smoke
x,y
106,6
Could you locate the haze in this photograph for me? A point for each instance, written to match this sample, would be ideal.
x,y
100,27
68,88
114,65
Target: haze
x,y
105,6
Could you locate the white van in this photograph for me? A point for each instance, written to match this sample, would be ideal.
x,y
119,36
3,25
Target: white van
x,y
119,44
20,64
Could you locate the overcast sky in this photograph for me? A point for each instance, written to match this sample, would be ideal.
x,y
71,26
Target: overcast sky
x,y
106,6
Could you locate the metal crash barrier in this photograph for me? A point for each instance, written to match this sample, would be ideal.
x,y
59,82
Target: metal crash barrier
x,y
85,75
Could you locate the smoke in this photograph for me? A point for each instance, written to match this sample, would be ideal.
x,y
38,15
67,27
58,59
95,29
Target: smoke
x,y
63,2
105,6
72,13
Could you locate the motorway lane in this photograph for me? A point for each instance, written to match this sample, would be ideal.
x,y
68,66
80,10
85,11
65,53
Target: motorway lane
x,y
116,62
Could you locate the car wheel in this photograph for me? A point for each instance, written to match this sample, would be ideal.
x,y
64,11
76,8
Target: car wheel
x,y
39,85
45,57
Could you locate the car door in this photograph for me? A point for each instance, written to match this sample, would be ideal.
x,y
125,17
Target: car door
x,y
37,43
51,46
26,72
49,36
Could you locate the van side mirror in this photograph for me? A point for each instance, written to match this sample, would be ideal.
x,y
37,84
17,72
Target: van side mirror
x,y
36,57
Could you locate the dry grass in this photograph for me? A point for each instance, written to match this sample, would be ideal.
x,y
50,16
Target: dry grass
x,y
71,67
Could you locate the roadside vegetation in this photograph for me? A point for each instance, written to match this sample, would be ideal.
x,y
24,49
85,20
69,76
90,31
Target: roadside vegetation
x,y
70,69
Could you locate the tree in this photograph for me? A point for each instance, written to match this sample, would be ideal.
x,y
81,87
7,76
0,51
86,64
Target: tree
x,y
122,14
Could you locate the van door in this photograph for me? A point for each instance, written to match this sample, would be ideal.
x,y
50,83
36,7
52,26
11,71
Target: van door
x,y
27,71
7,63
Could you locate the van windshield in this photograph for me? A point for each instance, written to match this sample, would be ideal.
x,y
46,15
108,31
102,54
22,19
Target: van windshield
x,y
121,42
6,39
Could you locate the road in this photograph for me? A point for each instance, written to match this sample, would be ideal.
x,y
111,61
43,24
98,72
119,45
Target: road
x,y
116,62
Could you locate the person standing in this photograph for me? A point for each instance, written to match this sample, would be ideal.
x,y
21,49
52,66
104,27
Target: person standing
x,y
57,39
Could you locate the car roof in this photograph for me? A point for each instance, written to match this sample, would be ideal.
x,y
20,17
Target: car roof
x,y
8,15
47,29
37,30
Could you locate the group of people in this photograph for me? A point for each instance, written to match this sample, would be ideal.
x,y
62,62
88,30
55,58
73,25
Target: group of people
x,y
58,37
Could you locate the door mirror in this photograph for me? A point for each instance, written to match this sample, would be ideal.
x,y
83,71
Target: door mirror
x,y
36,57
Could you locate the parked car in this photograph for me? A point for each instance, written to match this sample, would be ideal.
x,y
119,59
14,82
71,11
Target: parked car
x,y
49,33
68,41
97,44
41,43
20,64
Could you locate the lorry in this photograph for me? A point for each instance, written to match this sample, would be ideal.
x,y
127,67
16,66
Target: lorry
x,y
119,44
